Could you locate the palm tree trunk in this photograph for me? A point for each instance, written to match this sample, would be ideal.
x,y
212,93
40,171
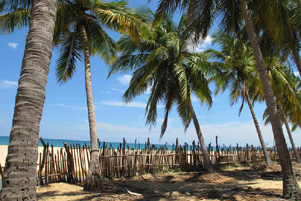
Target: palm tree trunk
x,y
289,134
19,181
94,179
294,49
296,57
290,186
265,152
206,158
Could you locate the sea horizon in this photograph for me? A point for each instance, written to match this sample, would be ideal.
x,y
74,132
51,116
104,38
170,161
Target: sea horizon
x,y
4,140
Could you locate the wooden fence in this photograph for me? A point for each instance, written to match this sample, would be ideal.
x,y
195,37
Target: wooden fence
x,y
70,164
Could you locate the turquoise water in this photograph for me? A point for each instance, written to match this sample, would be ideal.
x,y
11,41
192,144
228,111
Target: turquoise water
x,y
4,140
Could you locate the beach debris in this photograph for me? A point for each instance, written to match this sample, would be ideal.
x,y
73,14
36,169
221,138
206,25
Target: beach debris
x,y
132,193
146,177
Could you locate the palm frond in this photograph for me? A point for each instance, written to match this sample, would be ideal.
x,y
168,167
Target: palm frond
x,y
116,16
100,42
18,18
70,50
8,6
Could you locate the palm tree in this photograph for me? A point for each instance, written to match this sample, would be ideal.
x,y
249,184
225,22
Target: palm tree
x,y
293,109
80,34
173,72
285,86
298,159
236,62
200,15
19,181
278,20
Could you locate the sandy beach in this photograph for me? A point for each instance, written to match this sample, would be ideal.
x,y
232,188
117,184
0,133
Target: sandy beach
x,y
3,153
244,184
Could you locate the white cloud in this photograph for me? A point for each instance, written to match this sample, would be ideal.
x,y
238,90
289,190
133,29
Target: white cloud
x,y
130,104
72,106
204,44
120,103
125,79
117,90
204,117
13,45
228,133
148,90
8,84
296,73
194,99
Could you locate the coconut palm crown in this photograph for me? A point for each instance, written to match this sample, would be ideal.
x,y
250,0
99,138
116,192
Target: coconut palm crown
x,y
80,33
238,74
167,65
200,15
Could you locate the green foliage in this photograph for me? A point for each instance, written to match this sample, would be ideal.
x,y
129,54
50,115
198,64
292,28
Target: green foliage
x,y
18,18
287,89
279,22
95,16
234,68
164,63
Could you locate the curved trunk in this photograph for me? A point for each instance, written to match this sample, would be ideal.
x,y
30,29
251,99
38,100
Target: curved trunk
x,y
290,186
94,179
289,134
265,152
296,57
206,158
19,181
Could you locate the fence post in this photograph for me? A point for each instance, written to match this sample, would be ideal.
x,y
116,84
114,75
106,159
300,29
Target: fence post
x,y
123,156
41,166
147,157
247,153
177,152
217,151
70,164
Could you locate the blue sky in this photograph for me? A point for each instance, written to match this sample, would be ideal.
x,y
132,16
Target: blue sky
x,y
65,113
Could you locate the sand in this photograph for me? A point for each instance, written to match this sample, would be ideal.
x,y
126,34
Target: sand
x,y
3,153
240,184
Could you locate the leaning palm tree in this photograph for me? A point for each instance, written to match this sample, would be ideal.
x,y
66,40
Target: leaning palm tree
x,y
173,72
80,33
293,110
19,180
278,20
285,85
200,15
236,61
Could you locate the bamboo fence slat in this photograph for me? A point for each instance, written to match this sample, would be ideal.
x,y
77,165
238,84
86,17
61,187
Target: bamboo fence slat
x,y
71,164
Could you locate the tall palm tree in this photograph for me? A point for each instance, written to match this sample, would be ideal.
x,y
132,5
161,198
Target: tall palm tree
x,y
19,181
200,15
236,62
286,87
278,20
173,72
79,30
293,110
80,33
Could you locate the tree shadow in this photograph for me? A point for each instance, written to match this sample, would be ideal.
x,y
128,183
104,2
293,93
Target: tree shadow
x,y
221,185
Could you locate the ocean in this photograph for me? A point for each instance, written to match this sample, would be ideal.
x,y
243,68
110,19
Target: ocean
x,y
4,140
